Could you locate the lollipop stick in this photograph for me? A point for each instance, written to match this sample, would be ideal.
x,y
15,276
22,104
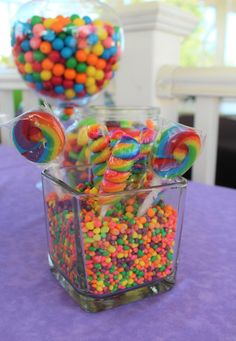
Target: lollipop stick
x,y
148,201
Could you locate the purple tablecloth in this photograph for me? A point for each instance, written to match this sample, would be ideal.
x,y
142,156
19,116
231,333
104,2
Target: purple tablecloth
x,y
33,307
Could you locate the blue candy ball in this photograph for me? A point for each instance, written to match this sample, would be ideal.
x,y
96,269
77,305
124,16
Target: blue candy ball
x,y
29,78
92,39
87,20
25,45
106,54
49,36
38,86
59,89
116,36
70,42
67,52
78,88
112,51
58,44
26,28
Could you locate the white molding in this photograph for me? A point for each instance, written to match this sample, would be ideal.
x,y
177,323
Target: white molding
x,y
157,16
11,80
177,81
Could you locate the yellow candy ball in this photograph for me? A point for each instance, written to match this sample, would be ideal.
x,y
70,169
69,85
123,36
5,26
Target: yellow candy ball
x,y
102,33
92,89
90,81
98,49
98,22
79,22
99,75
28,68
69,93
48,22
91,71
45,75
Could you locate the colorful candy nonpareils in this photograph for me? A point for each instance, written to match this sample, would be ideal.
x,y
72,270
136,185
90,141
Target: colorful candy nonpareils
x,y
175,151
38,136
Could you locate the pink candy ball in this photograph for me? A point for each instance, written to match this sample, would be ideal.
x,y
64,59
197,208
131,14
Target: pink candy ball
x,y
107,43
109,75
35,43
82,44
38,29
29,57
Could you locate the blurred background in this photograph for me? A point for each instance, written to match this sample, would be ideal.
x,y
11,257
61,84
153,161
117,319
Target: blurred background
x,y
188,68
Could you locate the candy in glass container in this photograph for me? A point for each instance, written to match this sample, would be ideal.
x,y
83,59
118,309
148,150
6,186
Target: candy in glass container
x,y
108,249
67,51
90,140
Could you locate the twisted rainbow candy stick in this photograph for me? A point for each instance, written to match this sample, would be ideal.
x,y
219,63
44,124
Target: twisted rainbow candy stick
x,y
175,151
119,165
38,136
147,137
100,150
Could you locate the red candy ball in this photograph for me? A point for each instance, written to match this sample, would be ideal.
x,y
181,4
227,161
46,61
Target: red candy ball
x,y
56,80
54,56
68,84
37,67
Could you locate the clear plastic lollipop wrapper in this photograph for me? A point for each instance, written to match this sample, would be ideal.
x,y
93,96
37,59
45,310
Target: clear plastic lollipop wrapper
x,y
37,135
174,152
175,149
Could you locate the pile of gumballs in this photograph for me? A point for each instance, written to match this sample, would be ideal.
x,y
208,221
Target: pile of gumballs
x,y
66,58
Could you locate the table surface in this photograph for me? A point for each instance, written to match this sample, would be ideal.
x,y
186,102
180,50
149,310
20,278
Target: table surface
x,y
202,305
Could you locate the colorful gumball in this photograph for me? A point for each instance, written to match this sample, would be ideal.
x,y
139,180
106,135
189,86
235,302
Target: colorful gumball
x,y
175,151
76,49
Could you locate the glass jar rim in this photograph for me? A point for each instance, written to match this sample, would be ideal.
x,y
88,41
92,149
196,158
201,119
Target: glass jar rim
x,y
178,182
125,112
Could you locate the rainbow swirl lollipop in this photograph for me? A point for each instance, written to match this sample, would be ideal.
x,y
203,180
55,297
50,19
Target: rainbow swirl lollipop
x,y
175,151
119,165
100,150
38,136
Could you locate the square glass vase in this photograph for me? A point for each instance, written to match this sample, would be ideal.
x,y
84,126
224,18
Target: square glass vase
x,y
111,249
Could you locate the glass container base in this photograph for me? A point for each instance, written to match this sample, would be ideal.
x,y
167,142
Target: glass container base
x,y
92,303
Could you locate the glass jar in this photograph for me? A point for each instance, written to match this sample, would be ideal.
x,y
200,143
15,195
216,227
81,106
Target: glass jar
x,y
138,122
67,51
110,249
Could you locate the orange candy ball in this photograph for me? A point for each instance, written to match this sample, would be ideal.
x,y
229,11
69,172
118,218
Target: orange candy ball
x,y
57,26
101,64
47,64
70,74
92,59
81,78
45,47
81,56
58,70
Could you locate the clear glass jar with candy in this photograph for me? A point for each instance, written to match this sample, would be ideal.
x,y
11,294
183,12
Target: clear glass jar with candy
x,y
67,51
108,249
85,147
